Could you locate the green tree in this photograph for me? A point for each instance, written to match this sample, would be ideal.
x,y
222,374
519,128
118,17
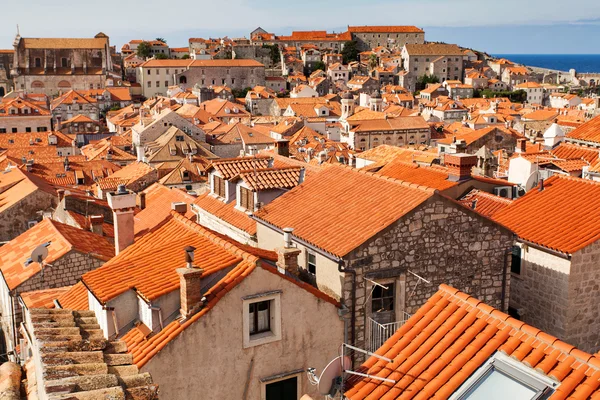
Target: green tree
x,y
320,65
160,56
275,54
424,80
350,51
143,50
373,61
185,57
518,96
161,40
240,93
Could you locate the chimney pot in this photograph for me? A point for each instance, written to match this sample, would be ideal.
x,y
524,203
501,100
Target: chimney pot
x,y
122,202
190,285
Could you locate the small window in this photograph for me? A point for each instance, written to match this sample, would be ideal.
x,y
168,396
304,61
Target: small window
x,y
28,129
515,265
246,199
311,263
179,138
219,186
260,317
383,298
14,130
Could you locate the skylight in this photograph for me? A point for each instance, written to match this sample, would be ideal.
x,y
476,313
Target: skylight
x,y
502,377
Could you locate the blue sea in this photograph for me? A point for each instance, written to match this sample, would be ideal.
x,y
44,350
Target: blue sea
x,y
561,62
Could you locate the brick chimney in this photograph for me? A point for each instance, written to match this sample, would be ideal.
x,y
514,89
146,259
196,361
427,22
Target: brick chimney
x,y
122,202
287,256
61,194
179,207
190,285
141,200
521,146
459,166
96,222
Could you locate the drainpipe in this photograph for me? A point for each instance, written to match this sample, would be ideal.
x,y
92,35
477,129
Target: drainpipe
x,y
505,278
342,268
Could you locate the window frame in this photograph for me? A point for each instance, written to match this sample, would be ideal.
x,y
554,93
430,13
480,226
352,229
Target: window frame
x,y
254,317
219,186
514,257
382,299
246,198
310,254
274,332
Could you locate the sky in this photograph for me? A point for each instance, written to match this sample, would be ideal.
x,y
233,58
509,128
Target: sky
x,y
496,27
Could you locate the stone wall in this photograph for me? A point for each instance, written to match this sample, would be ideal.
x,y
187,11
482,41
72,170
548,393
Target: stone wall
x,y
54,85
13,221
25,123
368,41
540,292
233,77
583,313
441,242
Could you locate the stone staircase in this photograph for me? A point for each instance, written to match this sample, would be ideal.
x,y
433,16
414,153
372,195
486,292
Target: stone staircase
x,y
78,363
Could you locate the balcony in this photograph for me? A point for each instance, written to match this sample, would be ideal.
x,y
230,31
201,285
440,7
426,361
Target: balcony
x,y
377,333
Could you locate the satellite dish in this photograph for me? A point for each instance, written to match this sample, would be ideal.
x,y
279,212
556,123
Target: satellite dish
x,y
332,371
38,254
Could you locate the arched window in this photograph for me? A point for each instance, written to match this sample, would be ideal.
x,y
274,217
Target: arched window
x,y
182,80
37,85
64,84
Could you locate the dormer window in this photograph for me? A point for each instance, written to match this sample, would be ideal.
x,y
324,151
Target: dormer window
x,y
186,175
219,186
179,138
246,199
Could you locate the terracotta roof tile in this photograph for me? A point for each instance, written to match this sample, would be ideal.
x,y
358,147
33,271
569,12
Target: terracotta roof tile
x,y
536,216
451,336
42,298
433,177
76,298
388,199
484,203
272,178
63,238
226,212
588,132
230,167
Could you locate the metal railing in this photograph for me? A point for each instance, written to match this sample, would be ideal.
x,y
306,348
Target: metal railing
x,y
378,333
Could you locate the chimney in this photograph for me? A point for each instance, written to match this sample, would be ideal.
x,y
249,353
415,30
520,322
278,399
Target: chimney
x,y
541,188
521,146
61,194
141,200
96,222
302,175
179,207
190,285
287,256
459,166
122,202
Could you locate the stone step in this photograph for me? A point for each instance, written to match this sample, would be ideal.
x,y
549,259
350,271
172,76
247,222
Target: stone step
x,y
147,392
51,317
92,334
63,330
131,381
124,370
73,357
86,320
83,314
82,345
52,372
88,326
112,393
82,383
66,323
118,359
116,346
47,311
59,338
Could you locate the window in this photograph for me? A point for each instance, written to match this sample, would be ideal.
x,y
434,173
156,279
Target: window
x,y
285,389
149,72
149,84
502,377
515,264
157,84
2,130
28,129
166,83
246,199
38,62
14,130
382,298
64,62
156,71
167,71
260,317
179,138
219,184
311,263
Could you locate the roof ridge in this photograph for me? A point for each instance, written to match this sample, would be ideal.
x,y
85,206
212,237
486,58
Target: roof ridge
x,y
590,359
229,246
55,227
394,180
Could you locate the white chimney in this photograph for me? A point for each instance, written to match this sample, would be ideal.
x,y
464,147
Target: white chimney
x,y
122,202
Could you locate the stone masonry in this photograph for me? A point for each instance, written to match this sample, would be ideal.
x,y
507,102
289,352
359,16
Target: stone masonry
x,y
441,242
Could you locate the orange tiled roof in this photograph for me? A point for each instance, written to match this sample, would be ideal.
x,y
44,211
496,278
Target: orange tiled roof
x,y
63,238
271,178
472,137
538,217
76,298
65,43
20,106
149,265
230,167
484,203
588,132
388,199
42,298
433,177
451,336
16,185
226,212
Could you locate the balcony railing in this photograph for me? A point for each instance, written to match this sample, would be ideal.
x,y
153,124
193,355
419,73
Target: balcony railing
x,y
378,333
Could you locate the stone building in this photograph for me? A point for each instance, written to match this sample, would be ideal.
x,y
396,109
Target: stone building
x,y
71,252
555,273
23,196
383,246
370,37
22,115
444,61
493,138
51,66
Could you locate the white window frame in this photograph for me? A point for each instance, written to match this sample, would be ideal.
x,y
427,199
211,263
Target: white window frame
x,y
514,369
311,253
283,377
275,310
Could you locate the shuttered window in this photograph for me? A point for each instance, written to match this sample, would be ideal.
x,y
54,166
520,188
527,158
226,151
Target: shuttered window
x,y
219,186
247,199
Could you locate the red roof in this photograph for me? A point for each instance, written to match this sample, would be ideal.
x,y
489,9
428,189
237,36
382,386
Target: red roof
x,y
42,298
338,200
76,298
226,212
564,216
433,177
484,203
451,336
588,132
